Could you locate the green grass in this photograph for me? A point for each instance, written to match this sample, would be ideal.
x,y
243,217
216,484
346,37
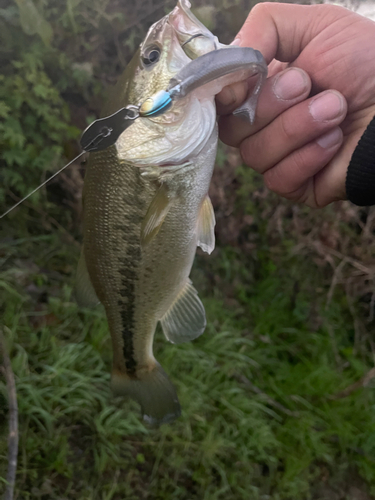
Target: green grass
x,y
268,326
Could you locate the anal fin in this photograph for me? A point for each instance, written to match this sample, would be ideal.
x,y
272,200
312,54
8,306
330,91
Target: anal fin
x,y
206,226
84,291
185,320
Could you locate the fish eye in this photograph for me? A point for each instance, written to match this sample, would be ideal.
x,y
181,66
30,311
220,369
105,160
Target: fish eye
x,y
151,55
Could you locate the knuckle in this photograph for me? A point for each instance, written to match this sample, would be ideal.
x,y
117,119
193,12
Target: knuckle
x,y
255,151
287,178
260,8
249,155
289,128
258,11
246,156
298,162
272,180
297,168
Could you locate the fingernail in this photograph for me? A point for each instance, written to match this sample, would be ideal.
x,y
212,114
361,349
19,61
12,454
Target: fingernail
x,y
327,106
236,41
290,84
330,139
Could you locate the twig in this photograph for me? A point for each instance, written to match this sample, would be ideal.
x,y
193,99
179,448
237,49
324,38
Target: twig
x,y
355,263
13,420
372,306
334,281
270,401
356,322
362,382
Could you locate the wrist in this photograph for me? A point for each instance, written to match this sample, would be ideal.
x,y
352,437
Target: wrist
x,y
360,177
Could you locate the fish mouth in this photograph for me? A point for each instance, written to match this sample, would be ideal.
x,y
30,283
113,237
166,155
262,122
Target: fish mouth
x,y
197,35
194,38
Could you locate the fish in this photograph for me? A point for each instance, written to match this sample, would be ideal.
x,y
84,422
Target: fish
x,y
146,210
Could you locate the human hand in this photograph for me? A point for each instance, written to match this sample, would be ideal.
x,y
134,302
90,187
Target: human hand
x,y
316,103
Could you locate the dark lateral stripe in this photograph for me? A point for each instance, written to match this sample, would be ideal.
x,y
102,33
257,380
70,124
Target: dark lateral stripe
x,y
127,317
128,264
127,307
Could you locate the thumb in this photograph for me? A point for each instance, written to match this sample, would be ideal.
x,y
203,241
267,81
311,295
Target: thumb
x,y
281,31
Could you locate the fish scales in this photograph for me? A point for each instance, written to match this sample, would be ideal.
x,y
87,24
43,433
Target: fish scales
x,y
112,250
146,209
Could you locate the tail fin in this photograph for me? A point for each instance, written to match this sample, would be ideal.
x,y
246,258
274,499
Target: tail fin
x,y
153,391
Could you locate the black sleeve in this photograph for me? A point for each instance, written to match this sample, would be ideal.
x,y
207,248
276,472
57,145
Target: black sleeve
x,y
360,178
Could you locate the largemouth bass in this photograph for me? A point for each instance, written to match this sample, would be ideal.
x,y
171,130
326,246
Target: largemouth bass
x,y
146,209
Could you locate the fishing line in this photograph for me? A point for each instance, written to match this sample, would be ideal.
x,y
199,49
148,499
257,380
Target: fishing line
x,y
104,132
43,184
99,135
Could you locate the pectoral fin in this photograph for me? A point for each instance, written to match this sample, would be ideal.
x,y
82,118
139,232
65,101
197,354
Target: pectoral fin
x,y
84,291
156,213
185,320
206,225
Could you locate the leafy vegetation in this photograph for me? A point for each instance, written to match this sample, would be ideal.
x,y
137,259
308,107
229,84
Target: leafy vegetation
x,y
259,420
269,406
